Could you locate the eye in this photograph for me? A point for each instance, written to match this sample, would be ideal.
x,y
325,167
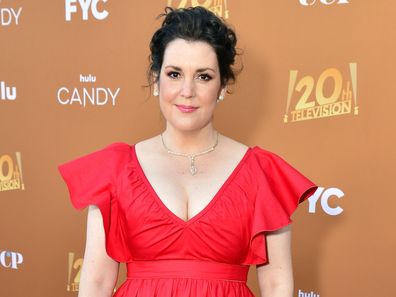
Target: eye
x,y
205,76
173,74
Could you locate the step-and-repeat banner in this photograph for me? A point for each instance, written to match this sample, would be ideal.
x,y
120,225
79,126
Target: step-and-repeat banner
x,y
317,88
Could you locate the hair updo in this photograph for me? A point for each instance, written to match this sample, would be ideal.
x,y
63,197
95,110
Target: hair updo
x,y
194,24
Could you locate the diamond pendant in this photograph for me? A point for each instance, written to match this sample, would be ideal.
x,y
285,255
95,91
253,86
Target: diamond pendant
x,y
193,169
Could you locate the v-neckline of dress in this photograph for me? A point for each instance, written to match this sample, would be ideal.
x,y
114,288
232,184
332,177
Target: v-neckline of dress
x,y
208,205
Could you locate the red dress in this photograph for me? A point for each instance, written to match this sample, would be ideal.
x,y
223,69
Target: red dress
x,y
210,254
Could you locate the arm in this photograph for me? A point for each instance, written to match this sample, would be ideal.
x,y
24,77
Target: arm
x,y
275,279
99,272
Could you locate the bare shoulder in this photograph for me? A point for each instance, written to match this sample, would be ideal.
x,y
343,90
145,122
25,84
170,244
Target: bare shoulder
x,y
148,145
232,146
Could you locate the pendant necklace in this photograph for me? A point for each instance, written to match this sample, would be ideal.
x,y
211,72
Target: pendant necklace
x,y
193,168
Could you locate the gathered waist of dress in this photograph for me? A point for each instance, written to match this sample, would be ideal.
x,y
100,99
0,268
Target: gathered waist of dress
x,y
186,268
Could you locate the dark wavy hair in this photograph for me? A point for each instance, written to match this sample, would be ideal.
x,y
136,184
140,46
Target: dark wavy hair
x,y
194,24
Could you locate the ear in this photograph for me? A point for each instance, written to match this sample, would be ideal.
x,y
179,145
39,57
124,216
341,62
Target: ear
x,y
221,94
155,89
154,77
155,82
223,91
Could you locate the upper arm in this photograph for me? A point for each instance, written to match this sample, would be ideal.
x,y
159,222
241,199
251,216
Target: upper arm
x,y
277,274
99,272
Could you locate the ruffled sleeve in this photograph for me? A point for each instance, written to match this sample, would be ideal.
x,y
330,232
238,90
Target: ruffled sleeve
x,y
92,180
280,189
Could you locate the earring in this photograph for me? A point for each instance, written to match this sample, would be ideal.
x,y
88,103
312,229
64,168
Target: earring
x,y
155,92
221,98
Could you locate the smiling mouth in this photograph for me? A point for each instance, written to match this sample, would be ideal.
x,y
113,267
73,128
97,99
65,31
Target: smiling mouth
x,y
186,108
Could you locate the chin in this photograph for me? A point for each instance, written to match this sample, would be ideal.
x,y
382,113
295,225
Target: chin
x,y
192,126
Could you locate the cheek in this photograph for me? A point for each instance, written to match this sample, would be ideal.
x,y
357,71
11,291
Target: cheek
x,y
209,93
167,96
168,89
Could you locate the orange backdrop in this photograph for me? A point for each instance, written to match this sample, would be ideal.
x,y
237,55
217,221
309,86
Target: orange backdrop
x,y
317,88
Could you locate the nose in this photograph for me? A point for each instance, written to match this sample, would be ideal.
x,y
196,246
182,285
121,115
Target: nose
x,y
187,88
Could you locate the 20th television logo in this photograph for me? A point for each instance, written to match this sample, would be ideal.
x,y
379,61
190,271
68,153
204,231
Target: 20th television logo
x,y
11,177
325,2
74,273
219,7
332,93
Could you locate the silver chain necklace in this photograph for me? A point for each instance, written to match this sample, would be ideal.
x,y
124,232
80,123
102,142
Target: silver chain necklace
x,y
193,168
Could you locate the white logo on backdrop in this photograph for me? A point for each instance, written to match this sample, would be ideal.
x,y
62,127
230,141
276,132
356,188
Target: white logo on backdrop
x,y
325,2
9,16
10,259
310,294
7,93
86,7
324,195
85,95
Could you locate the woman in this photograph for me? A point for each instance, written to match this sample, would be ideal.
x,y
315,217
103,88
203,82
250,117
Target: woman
x,y
190,209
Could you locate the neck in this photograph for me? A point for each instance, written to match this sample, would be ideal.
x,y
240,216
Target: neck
x,y
189,142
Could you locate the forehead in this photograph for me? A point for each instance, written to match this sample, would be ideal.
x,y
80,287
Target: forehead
x,y
194,54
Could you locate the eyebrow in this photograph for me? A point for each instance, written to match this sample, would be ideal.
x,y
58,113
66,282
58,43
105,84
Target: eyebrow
x,y
198,70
